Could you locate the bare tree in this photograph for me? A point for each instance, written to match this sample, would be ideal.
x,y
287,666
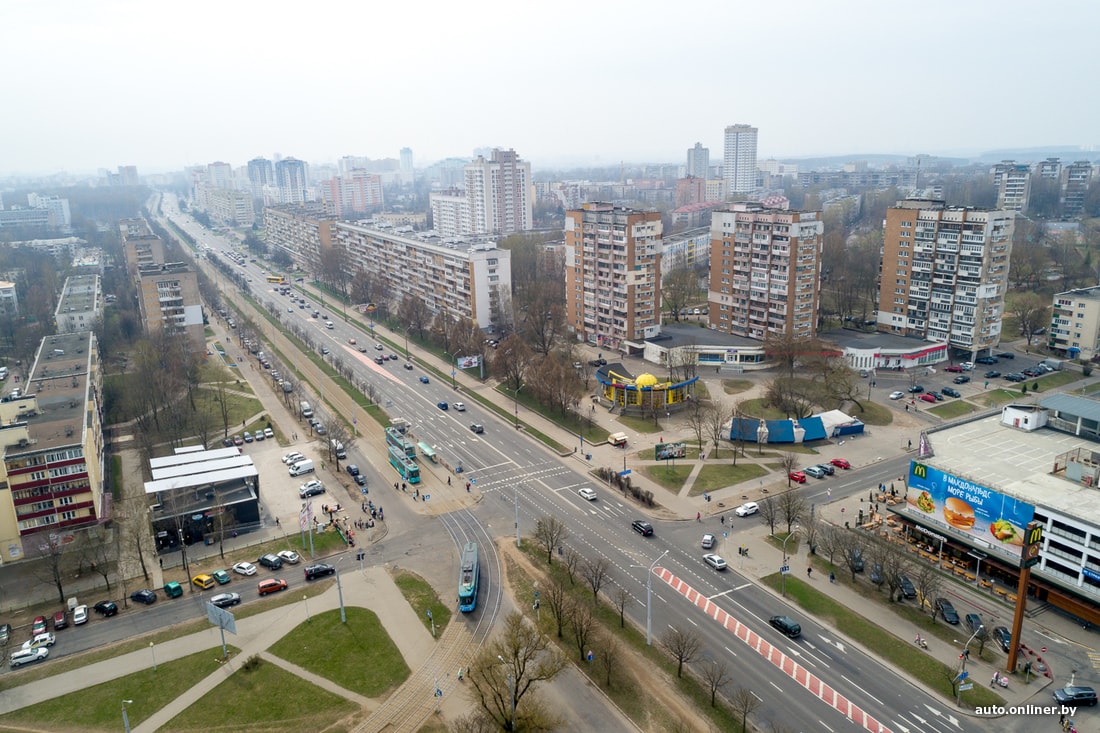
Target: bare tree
x,y
854,546
716,415
53,563
682,645
769,512
99,551
697,419
557,598
717,676
789,462
607,656
829,541
595,573
571,560
744,702
620,598
928,583
550,532
584,626
792,505
811,526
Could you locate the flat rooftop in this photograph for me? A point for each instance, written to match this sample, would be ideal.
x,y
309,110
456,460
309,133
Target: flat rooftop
x,y
865,340
690,334
1015,463
59,382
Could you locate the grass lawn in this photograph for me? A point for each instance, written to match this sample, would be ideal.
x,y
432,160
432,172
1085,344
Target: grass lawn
x,y
669,476
240,407
422,597
953,409
872,413
736,386
98,707
358,655
995,397
265,698
1051,380
641,424
759,410
719,475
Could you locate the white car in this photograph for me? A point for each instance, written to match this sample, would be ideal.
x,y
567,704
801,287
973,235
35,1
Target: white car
x,y
897,395
587,493
708,542
461,407
310,485
80,615
290,556
244,568
46,639
269,433
714,561
749,507
294,457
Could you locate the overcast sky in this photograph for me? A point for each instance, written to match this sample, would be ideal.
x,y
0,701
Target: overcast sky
x,y
100,83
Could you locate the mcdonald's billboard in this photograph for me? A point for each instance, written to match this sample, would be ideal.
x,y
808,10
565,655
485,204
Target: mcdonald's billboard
x,y
988,518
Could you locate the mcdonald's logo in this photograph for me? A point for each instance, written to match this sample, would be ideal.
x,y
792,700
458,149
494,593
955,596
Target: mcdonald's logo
x,y
1034,534
920,470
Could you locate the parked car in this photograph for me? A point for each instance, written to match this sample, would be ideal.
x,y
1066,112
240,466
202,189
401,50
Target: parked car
x,y
293,457
1073,695
1003,637
714,561
271,562
855,559
27,656
643,528
827,468
145,596
271,585
951,392
269,433
915,389
953,368
992,374
950,615
895,395
967,366
38,626
986,360
247,436
961,379
814,471
1005,355
927,397
1015,377
106,608
841,463
225,600
41,640
797,476
360,479
352,469
908,590
290,556
221,576
244,568
60,620
876,575
973,622
237,441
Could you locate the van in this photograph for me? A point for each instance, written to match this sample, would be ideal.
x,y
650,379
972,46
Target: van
x,y
172,589
301,467
338,447
203,582
786,625
307,411
617,439
329,324
1052,364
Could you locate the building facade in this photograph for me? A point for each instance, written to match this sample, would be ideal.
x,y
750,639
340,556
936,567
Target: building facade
x,y
765,271
471,279
1013,182
356,193
225,206
302,231
739,160
260,173
292,178
9,298
698,162
944,273
52,441
80,306
613,275
495,200
1074,330
169,301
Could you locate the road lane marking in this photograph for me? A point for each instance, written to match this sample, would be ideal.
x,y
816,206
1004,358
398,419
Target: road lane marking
x,y
719,595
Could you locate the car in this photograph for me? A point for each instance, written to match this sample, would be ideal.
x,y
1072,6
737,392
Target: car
x,y
1015,377
908,590
271,585
926,397
80,615
973,622
967,366
1032,372
597,362
225,600
293,457
379,360
714,561
351,341
1074,695
38,626
953,368
950,615
360,479
747,509
41,640
408,365
986,360
290,556
247,436
961,379
305,491
145,596
1005,355
244,568
479,429
237,441
787,626
587,494
319,570
936,396
393,357
814,471
442,405
290,309
827,468
708,542
60,620
915,389
461,407
106,608
1003,637
227,443
642,527
876,575
269,433
272,562
992,374
423,379
379,347
320,429
855,560
951,392
797,476
325,351
259,436
27,656
352,469
895,395
221,576
841,463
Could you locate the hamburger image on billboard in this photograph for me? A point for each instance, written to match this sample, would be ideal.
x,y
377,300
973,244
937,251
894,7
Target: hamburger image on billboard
x,y
988,517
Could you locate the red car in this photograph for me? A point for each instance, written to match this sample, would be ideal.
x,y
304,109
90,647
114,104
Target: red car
x,y
953,368
926,397
797,477
39,626
841,463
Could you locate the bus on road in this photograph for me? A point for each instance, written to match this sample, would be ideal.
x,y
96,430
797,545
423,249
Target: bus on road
x,y
277,279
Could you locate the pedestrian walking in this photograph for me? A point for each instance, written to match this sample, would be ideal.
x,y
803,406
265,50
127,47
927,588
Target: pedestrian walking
x,y
697,516
809,572
448,480
404,488
907,408
993,681
277,522
832,577
910,445
722,519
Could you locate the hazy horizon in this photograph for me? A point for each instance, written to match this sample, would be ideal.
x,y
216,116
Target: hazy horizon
x,y
119,82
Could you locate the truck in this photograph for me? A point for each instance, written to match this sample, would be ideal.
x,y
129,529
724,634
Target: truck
x,y
1053,364
307,411
400,423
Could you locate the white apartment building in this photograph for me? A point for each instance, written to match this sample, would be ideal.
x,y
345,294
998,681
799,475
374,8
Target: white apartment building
x,y
698,162
9,298
1074,330
497,195
1013,182
686,249
225,206
739,161
80,306
471,279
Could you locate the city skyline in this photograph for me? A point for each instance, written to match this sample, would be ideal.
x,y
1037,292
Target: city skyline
x,y
126,83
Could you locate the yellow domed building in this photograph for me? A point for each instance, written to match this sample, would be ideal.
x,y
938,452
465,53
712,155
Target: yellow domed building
x,y
643,394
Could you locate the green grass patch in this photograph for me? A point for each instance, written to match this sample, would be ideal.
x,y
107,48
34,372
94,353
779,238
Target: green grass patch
x,y
952,410
760,410
98,707
669,476
641,424
1052,380
736,386
1090,389
422,598
264,698
716,476
358,655
776,540
872,413
995,397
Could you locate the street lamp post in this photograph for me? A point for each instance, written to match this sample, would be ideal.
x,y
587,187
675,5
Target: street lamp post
x,y
305,602
183,552
786,560
512,692
125,717
515,403
649,600
340,595
963,656
153,651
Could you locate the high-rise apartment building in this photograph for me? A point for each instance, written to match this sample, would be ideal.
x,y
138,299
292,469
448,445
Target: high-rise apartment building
x,y
357,192
1076,179
1075,323
292,179
944,273
497,198
698,162
219,175
1013,182
260,173
613,274
302,231
739,160
407,163
765,271
690,190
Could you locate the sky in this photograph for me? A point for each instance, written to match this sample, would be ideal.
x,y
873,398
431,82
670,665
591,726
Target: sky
x,y
94,84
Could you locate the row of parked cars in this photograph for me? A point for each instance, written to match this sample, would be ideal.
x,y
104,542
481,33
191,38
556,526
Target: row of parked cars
x,y
821,470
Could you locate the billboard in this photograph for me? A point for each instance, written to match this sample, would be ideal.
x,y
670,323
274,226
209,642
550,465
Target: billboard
x,y
468,362
986,517
665,451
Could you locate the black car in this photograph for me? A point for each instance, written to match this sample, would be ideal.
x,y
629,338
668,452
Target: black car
x,y
992,374
360,479
986,360
876,576
145,596
1075,696
643,528
1032,372
1005,355
936,396
274,562
855,559
906,587
961,379
1003,637
352,469
106,608
225,600
950,615
1015,377
319,570
951,392
973,622
916,389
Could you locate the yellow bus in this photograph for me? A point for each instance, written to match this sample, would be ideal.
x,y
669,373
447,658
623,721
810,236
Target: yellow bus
x,y
277,279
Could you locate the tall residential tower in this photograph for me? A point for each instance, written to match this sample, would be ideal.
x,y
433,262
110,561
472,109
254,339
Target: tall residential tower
x,y
739,161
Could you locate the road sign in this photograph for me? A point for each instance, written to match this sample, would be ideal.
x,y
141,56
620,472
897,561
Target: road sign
x,y
429,612
967,686
624,473
963,675
785,569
